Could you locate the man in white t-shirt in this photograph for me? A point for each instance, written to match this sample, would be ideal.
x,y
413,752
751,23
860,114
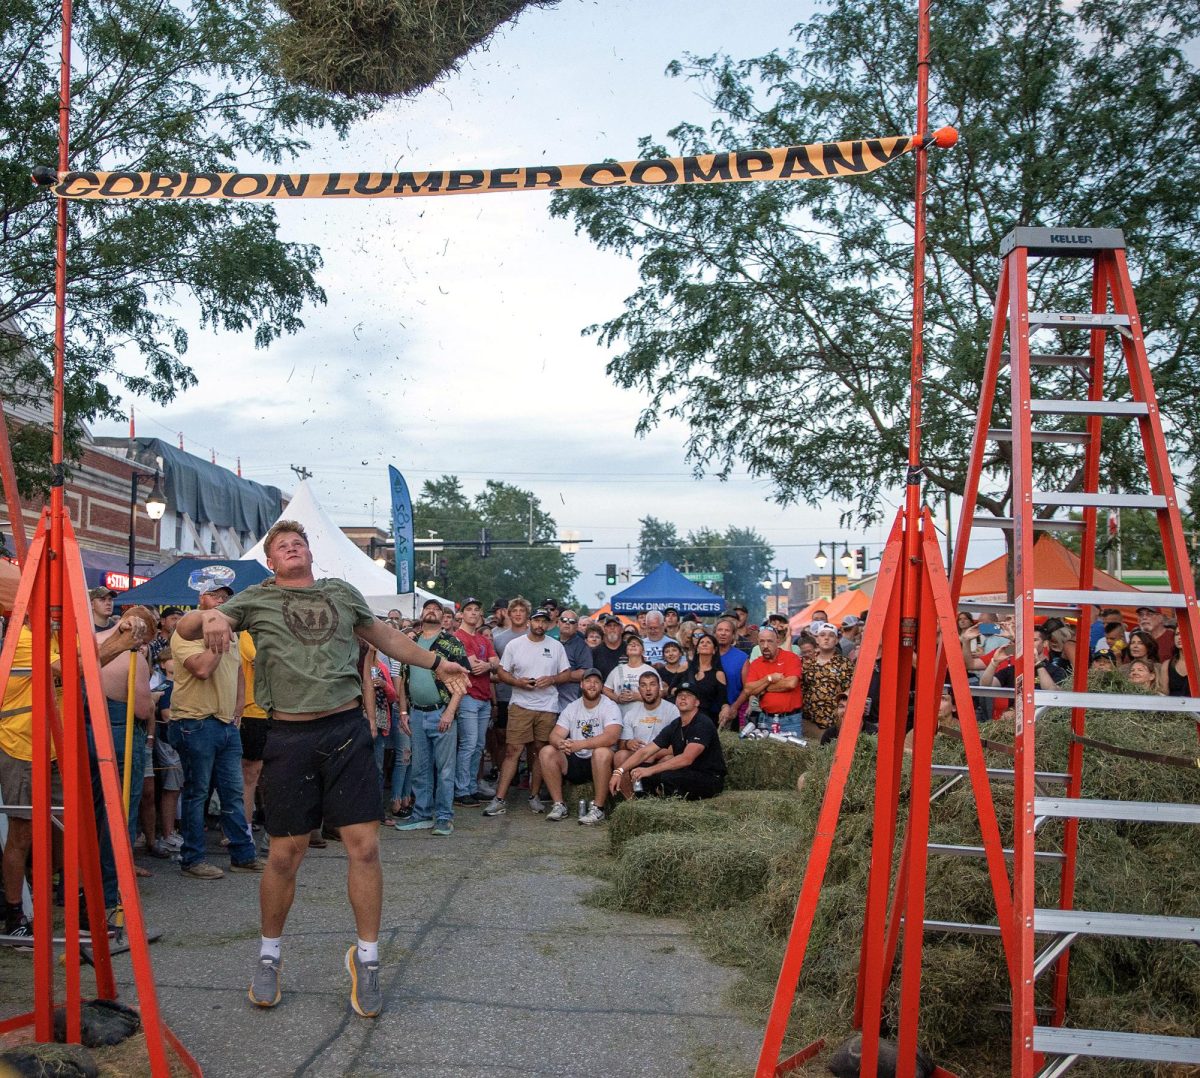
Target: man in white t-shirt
x,y
642,721
581,748
534,665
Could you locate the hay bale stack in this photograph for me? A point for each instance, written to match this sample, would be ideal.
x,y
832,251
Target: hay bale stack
x,y
658,815
676,873
762,764
384,48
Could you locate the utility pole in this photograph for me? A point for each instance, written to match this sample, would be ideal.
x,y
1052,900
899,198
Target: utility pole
x,y
302,473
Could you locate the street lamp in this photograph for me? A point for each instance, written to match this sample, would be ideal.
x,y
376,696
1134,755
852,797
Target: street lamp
x,y
847,560
156,505
780,581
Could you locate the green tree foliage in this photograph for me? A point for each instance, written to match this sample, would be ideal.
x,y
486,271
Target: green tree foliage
x,y
740,554
504,510
158,86
658,541
775,318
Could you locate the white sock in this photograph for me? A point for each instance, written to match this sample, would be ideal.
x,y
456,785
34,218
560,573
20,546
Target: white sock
x,y
368,952
270,948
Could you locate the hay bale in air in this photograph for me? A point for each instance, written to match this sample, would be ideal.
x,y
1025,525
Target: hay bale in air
x,y
385,48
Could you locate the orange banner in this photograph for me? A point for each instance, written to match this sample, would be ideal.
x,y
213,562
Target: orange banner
x,y
822,160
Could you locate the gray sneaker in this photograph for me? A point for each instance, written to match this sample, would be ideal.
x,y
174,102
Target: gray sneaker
x,y
365,996
558,812
593,816
496,807
537,805
264,988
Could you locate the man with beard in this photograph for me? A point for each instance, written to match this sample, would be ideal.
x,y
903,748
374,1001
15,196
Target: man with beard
x,y
534,665
693,769
580,748
433,707
774,677
642,723
610,654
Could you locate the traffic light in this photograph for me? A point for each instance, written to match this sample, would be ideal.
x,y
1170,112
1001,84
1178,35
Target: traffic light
x,y
610,573
860,560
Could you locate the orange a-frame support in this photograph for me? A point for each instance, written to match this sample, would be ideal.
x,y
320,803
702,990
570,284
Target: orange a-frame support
x,y
911,614
52,599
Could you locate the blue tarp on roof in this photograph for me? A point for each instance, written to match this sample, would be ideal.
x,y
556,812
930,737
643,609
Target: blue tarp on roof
x,y
664,587
170,587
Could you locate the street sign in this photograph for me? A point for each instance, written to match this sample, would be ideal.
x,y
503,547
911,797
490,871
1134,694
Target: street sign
x,y
706,578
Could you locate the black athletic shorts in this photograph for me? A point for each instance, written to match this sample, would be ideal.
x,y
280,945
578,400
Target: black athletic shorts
x,y
687,783
500,721
320,772
579,771
254,737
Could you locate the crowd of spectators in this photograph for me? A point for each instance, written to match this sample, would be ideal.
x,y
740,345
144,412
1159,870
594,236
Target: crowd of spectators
x,y
631,707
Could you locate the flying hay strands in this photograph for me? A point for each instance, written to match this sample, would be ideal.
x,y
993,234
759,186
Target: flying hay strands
x,y
385,48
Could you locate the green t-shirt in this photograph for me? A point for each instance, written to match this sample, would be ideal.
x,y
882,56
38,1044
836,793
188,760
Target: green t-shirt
x,y
422,686
307,652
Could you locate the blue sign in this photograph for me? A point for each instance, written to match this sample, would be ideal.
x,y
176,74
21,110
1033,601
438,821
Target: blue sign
x,y
402,532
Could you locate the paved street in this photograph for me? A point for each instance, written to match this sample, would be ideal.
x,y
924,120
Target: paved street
x,y
492,966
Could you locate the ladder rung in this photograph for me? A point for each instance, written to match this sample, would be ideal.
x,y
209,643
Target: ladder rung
x,y
1113,409
993,692
998,772
1072,320
999,607
1083,808
1115,701
1041,524
1067,437
1101,500
1132,925
962,926
1052,359
1041,856
1107,598
1109,1044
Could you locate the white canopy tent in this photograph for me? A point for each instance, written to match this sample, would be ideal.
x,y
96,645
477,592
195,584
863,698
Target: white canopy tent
x,y
336,556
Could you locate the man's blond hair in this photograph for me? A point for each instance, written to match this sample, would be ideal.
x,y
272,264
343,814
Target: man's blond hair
x,y
520,600
282,527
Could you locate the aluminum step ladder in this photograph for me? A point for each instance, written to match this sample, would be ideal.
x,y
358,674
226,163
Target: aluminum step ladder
x,y
1058,402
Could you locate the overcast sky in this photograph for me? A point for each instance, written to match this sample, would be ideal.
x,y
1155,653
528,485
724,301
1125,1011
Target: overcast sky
x,y
451,341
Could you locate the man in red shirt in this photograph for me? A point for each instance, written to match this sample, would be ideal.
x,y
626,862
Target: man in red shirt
x,y
1151,620
475,709
774,677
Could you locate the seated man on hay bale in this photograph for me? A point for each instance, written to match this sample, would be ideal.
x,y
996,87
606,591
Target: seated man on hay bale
x,y
642,723
695,767
580,748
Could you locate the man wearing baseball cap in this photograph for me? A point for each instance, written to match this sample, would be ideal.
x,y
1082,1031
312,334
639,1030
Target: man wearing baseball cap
x,y
851,636
581,748
475,709
1152,621
102,607
695,768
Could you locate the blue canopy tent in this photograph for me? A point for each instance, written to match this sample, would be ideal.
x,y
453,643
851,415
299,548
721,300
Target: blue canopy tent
x,y
170,587
664,587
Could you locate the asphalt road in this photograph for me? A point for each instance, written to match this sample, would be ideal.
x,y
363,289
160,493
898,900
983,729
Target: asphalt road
x,y
492,965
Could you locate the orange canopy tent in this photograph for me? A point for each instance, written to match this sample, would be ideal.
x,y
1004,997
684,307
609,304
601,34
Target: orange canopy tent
x,y
849,602
1054,567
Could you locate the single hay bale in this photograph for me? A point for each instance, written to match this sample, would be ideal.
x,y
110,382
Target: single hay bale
x,y
47,1061
384,48
662,815
671,874
763,764
769,808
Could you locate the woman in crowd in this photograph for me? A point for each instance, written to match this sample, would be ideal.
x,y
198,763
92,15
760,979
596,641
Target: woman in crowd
x,y
687,640
1172,675
622,684
1143,674
707,675
674,669
1141,646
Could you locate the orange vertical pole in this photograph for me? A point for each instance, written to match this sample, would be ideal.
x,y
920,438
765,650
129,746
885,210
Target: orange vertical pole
x,y
42,701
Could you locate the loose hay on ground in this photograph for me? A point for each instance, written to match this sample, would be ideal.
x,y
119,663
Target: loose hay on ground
x,y
667,852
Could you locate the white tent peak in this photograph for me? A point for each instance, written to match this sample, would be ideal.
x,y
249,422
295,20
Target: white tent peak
x,y
335,555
